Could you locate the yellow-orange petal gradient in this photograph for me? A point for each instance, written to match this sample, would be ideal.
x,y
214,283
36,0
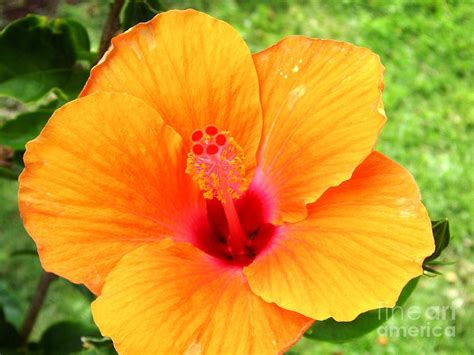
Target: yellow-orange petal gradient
x,y
105,176
323,111
193,69
171,298
361,243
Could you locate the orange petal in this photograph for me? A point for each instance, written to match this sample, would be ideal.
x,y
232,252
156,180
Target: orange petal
x,y
171,298
193,69
322,112
105,176
361,243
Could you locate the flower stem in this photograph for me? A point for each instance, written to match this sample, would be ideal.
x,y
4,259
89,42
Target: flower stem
x,y
111,27
35,305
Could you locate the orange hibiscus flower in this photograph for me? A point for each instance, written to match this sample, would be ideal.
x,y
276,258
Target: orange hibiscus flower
x,y
219,202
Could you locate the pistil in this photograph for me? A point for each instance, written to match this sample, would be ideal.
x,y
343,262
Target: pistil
x,y
216,163
237,237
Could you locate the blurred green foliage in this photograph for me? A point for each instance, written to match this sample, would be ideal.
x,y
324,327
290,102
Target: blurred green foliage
x,y
427,47
38,55
136,11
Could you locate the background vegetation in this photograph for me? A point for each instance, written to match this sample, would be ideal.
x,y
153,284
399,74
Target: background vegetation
x,y
428,50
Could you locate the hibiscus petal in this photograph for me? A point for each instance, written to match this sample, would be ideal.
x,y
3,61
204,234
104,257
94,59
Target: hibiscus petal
x,y
322,112
195,70
171,298
361,243
105,176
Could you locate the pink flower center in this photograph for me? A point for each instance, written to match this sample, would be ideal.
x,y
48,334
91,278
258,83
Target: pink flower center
x,y
235,227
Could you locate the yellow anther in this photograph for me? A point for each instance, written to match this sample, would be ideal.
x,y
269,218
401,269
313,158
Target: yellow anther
x,y
216,163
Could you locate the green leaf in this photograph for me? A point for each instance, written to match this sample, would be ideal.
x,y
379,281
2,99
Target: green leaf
x,y
83,290
66,337
441,236
441,263
136,11
9,336
339,332
430,271
26,126
9,174
81,41
79,36
11,310
38,55
24,252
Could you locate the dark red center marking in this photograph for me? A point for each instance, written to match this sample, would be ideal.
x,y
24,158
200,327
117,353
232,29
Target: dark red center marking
x,y
211,233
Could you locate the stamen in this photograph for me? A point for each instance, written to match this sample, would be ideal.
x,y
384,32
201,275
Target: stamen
x,y
215,162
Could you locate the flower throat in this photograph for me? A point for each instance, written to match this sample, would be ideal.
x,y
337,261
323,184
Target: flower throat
x,y
215,162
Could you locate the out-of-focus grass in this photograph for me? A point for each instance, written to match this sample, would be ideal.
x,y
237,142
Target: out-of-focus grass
x,y
428,50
